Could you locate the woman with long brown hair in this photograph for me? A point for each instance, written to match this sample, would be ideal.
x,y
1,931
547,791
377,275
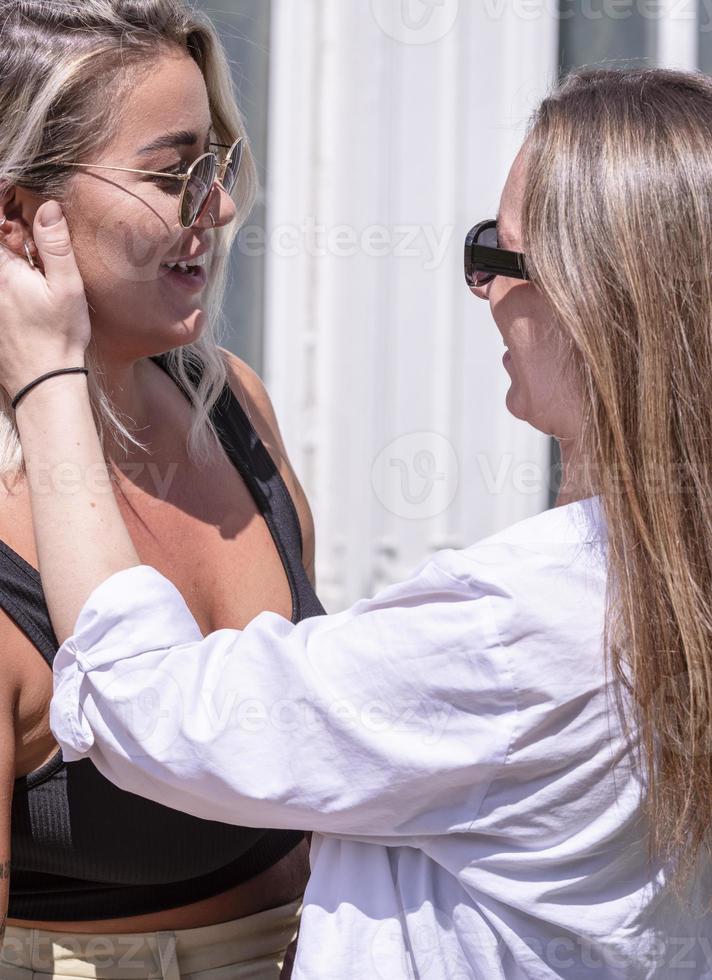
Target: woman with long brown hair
x,y
505,759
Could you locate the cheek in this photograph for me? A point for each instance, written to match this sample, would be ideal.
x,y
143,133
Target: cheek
x,y
541,393
124,241
531,365
532,393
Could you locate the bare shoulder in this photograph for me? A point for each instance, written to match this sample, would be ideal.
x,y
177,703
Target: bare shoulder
x,y
247,386
11,675
10,688
7,775
16,650
25,677
9,693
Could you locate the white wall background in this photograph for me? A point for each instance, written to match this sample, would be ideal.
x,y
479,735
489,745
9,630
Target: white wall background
x,y
392,129
387,144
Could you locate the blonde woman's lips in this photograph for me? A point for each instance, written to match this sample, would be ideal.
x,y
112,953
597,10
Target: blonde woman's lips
x,y
192,281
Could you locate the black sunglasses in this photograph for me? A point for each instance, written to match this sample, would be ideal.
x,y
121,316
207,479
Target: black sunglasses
x,y
484,259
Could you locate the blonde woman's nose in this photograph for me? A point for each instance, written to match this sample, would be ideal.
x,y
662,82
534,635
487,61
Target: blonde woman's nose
x,y
221,206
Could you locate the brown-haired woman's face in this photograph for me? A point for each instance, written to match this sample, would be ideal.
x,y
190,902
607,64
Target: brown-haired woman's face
x,y
540,392
126,226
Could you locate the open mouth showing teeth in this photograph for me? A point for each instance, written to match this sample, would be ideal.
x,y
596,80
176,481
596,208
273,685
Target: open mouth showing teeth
x,y
191,270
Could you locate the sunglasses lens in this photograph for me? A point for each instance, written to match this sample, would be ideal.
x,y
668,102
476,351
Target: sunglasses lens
x,y
488,237
198,189
480,279
233,168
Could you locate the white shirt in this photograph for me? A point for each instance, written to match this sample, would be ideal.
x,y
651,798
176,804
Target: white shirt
x,y
450,741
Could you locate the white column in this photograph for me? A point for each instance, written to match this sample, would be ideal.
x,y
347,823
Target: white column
x,y
392,129
677,34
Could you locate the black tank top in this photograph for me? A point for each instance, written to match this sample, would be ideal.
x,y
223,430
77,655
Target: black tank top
x,y
84,849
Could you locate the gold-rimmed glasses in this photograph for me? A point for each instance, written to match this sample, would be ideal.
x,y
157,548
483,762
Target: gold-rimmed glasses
x,y
198,180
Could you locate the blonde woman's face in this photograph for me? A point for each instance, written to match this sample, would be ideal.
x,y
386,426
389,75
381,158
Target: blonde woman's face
x,y
125,226
539,392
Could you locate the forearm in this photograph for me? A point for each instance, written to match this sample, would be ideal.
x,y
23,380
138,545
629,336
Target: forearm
x,y
80,533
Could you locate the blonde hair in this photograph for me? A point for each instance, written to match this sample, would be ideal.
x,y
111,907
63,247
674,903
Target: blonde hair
x,y
617,228
64,84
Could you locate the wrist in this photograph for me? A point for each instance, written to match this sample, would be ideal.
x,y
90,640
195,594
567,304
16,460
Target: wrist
x,y
57,388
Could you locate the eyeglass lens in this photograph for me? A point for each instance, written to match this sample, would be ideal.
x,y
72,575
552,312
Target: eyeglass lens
x,y
233,168
201,182
197,189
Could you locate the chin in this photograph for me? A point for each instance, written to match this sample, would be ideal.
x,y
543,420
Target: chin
x,y
520,411
526,415
156,338
181,332
512,407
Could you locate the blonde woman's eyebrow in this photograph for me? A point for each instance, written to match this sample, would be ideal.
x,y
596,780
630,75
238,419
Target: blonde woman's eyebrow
x,y
182,137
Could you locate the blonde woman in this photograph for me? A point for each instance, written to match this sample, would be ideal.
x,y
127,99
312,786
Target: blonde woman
x,y
505,759
102,882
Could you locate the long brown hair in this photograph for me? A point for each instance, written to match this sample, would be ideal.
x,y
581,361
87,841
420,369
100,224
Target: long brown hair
x,y
617,228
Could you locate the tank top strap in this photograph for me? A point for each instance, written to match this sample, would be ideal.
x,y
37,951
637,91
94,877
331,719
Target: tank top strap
x,y
22,598
255,465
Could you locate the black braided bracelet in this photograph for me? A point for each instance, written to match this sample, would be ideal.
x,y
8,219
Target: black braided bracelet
x,y
50,374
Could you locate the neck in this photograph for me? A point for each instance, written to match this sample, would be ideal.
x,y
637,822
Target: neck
x,y
125,386
575,484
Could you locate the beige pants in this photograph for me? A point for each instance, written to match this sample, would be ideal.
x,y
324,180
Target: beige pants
x,y
251,948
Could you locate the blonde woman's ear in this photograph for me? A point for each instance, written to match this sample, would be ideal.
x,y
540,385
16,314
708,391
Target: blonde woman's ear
x,y
25,252
7,251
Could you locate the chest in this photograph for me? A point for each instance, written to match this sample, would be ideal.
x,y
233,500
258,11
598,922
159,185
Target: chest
x,y
200,527
203,529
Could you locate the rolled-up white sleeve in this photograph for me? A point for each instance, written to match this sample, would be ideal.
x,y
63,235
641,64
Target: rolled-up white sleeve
x,y
387,720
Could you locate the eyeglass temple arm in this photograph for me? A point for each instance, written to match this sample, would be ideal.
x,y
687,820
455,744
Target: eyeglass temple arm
x,y
150,173
128,170
499,261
